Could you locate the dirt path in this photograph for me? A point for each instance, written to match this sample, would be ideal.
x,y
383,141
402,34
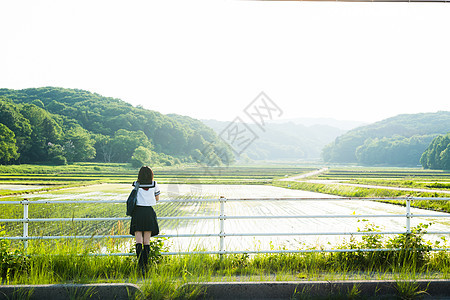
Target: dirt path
x,y
303,176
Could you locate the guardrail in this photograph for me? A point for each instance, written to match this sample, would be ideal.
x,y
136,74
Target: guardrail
x,y
222,218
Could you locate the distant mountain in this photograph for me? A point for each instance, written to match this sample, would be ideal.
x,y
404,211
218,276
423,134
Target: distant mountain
x,y
399,140
341,124
285,141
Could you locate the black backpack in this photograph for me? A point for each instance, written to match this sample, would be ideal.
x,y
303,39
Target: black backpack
x,y
132,198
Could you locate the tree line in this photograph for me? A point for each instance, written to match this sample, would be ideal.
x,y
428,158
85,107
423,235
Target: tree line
x,y
399,141
58,126
437,155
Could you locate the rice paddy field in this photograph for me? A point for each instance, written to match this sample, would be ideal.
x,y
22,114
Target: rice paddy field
x,y
55,177
113,182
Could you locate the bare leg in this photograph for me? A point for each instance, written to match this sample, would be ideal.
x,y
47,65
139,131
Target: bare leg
x,y
139,236
147,235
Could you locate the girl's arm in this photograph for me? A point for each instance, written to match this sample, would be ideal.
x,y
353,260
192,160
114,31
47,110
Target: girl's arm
x,y
157,198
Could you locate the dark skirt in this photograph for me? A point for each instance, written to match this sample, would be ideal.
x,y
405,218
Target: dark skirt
x,y
144,219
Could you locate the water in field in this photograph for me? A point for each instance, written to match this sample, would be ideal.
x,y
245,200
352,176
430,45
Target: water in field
x,y
20,187
315,228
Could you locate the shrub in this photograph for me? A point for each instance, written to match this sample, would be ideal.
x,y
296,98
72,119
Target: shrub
x,y
413,247
59,160
413,250
156,247
10,262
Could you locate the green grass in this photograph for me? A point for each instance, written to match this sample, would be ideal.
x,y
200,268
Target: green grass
x,y
419,183
383,173
405,178
70,262
351,191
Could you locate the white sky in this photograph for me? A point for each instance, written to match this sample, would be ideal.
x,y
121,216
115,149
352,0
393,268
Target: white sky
x,y
209,59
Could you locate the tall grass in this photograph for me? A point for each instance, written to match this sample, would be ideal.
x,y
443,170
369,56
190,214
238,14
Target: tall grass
x,y
71,262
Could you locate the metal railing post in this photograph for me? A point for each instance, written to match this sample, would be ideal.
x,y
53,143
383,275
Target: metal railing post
x,y
25,223
222,224
408,215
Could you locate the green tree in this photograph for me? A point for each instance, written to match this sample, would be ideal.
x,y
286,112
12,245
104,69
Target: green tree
x,y
445,158
70,108
45,130
437,155
125,143
171,137
8,148
38,103
141,157
344,148
396,150
15,121
78,145
56,154
103,148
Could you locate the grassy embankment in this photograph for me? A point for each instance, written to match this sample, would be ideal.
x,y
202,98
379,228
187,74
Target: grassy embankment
x,y
403,178
70,262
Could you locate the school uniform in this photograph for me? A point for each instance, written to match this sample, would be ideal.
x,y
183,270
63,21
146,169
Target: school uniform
x,y
144,216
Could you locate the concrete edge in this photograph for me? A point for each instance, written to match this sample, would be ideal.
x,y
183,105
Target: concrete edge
x,y
70,291
288,290
381,289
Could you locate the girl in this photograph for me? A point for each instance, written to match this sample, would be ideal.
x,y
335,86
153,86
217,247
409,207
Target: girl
x,y
143,220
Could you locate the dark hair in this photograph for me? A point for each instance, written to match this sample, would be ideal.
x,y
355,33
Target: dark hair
x,y
145,175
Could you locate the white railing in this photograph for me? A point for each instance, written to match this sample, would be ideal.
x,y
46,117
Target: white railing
x,y
222,218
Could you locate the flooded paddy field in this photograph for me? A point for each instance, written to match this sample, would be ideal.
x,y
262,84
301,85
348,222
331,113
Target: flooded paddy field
x,y
231,208
20,187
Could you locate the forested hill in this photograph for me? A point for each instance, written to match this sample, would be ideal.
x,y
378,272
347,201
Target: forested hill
x,y
399,140
55,124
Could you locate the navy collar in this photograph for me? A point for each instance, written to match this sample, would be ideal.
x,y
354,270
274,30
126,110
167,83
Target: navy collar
x,y
151,185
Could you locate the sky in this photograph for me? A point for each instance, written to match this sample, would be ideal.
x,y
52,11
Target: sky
x,y
210,59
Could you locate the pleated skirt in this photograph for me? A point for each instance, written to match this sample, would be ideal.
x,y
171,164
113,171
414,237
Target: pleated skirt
x,y
144,219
